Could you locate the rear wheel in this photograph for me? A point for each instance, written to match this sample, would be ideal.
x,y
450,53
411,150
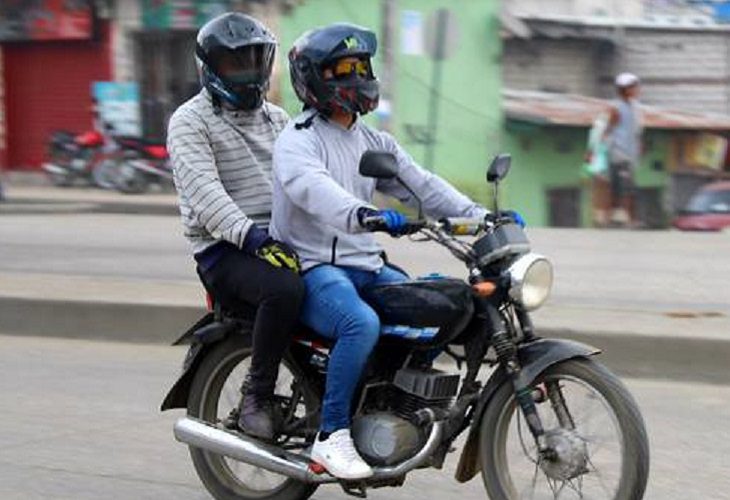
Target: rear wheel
x,y
591,422
214,397
130,180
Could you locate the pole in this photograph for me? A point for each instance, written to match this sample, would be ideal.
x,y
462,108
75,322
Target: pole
x,y
433,106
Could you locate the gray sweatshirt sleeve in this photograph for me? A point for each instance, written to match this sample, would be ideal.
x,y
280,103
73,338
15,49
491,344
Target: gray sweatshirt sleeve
x,y
304,178
197,180
439,198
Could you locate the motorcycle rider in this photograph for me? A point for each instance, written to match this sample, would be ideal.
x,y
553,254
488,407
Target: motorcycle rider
x,y
221,143
320,204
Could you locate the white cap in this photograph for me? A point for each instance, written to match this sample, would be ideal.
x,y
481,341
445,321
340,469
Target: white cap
x,y
624,80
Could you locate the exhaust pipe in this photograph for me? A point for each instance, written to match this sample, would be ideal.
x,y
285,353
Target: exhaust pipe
x,y
239,447
243,448
54,169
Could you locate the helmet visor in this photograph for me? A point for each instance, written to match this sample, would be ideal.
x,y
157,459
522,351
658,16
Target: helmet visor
x,y
349,66
246,65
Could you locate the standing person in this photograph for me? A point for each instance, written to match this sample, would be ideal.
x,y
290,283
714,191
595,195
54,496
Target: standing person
x,y
221,143
320,206
623,136
596,167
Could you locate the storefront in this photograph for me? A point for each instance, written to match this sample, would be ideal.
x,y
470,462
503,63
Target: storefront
x,y
53,50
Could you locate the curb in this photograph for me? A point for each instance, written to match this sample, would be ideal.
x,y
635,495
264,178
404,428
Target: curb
x,y
680,358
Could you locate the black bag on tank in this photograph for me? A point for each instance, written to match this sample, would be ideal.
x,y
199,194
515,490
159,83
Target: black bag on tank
x,y
446,303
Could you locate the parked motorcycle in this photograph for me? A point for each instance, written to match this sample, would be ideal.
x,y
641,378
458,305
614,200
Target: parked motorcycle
x,y
144,163
550,421
79,157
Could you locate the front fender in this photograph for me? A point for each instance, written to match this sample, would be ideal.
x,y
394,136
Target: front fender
x,y
535,357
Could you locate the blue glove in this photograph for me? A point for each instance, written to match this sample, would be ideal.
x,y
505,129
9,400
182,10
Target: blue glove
x,y
515,216
393,222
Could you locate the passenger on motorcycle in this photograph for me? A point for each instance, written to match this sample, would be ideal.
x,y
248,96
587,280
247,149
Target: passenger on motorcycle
x,y
319,207
221,143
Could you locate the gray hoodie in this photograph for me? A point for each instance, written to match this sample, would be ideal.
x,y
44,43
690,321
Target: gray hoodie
x,y
318,190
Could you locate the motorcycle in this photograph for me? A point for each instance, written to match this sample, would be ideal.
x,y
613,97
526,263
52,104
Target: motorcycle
x,y
549,422
143,163
79,157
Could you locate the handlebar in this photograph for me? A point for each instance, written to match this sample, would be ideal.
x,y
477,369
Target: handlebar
x,y
455,226
377,223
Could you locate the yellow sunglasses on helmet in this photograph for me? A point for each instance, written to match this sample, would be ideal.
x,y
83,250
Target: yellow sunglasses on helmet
x,y
347,67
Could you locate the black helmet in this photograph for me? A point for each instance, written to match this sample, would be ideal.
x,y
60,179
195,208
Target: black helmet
x,y
235,53
317,50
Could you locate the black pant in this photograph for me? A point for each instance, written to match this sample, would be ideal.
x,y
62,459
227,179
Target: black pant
x,y
238,278
622,181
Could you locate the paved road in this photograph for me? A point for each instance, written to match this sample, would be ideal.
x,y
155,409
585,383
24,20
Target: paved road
x,y
641,271
79,420
656,281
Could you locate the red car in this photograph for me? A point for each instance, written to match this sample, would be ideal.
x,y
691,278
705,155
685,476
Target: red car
x,y
707,210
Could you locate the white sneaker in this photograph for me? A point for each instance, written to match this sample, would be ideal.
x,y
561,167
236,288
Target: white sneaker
x,y
338,455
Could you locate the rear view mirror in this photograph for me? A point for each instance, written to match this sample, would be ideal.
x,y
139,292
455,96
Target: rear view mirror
x,y
499,168
378,164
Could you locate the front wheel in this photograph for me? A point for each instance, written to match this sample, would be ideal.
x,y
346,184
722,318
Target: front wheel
x,y
592,425
214,397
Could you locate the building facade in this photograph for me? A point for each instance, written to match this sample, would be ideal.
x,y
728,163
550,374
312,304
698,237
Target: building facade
x,y
51,53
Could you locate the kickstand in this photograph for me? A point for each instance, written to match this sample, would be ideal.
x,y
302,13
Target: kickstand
x,y
358,490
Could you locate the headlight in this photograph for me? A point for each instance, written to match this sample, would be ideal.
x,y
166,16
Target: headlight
x,y
532,280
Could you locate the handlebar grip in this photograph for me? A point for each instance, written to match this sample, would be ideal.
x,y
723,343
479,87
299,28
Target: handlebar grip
x,y
462,226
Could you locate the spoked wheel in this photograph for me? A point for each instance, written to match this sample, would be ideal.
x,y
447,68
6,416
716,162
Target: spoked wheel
x,y
105,173
592,424
129,180
215,397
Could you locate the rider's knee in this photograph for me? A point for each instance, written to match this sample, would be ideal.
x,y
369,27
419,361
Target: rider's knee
x,y
365,326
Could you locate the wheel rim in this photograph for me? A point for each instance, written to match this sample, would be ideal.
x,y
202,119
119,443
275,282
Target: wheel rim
x,y
597,429
221,395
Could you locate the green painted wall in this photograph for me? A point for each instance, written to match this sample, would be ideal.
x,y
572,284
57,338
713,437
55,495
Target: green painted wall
x,y
470,114
472,128
550,157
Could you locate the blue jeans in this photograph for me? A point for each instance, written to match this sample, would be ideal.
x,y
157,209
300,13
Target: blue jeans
x,y
333,308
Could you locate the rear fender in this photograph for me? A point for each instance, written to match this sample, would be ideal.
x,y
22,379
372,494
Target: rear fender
x,y
201,337
535,357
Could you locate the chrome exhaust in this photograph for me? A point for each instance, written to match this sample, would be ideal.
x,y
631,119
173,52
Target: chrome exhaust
x,y
54,169
243,448
240,447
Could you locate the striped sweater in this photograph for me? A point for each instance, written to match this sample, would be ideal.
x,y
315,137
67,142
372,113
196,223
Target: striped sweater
x,y
222,168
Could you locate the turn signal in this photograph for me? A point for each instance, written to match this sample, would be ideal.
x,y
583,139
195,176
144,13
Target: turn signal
x,y
485,288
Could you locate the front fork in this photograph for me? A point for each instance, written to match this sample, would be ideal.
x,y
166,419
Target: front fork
x,y
506,350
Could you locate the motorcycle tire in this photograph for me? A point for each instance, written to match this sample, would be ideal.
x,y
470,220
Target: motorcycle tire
x,y
105,174
502,409
202,404
132,181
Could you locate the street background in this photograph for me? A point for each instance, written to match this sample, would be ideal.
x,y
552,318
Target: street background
x,y
96,285
80,416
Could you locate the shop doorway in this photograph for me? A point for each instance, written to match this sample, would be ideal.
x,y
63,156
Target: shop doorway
x,y
167,76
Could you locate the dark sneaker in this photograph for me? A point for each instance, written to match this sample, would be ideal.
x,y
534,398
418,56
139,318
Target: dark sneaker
x,y
256,418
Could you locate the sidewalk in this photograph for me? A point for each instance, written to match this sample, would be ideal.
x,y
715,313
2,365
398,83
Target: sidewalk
x,y
657,303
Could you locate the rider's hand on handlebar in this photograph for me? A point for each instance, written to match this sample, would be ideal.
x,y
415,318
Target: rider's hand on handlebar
x,y
515,216
506,214
389,221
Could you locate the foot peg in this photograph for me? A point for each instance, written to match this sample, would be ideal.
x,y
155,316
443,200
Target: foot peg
x,y
357,490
